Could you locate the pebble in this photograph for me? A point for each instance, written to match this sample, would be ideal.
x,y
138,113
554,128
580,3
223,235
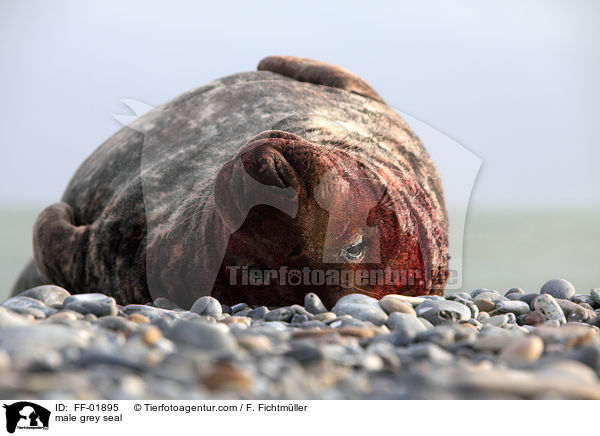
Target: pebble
x,y
496,320
433,347
239,307
201,335
517,291
361,307
595,296
526,349
258,312
441,311
558,288
548,306
207,306
95,303
516,307
138,318
313,304
28,306
391,304
165,303
534,318
325,316
151,335
50,295
405,328
280,314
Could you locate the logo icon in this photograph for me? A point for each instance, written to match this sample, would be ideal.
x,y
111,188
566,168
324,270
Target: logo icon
x,y
26,415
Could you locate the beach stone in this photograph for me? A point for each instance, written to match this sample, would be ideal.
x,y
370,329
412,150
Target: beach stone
x,y
151,335
298,319
441,311
41,337
165,303
202,335
325,316
582,298
239,307
480,291
529,298
558,288
116,323
425,323
570,335
138,318
534,318
258,312
595,296
496,320
28,306
361,307
546,304
391,304
305,352
313,304
485,304
517,291
405,328
152,313
12,319
255,342
442,335
516,307
281,314
207,306
526,349
95,303
48,294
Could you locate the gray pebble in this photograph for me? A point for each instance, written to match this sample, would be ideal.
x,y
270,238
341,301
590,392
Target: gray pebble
x,y
165,303
361,307
313,304
240,306
95,303
595,296
281,314
405,328
50,295
298,319
558,288
202,335
441,311
496,320
258,312
28,306
207,306
516,307
517,291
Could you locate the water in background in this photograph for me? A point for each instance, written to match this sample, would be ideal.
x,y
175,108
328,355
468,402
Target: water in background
x,y
503,249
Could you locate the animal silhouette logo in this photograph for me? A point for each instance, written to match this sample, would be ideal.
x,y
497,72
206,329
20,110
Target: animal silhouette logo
x,y
26,415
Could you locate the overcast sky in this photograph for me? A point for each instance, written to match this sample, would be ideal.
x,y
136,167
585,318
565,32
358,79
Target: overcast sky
x,y
516,83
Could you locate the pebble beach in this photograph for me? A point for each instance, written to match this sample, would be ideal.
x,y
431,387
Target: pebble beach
x,y
482,344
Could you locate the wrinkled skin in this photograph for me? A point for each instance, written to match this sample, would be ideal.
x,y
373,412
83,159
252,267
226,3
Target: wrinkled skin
x,y
300,165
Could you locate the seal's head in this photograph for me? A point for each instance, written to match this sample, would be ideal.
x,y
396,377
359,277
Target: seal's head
x,y
308,217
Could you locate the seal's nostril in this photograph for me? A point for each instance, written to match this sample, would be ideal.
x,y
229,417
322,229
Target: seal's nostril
x,y
295,252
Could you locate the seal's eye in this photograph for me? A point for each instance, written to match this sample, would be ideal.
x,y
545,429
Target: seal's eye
x,y
354,251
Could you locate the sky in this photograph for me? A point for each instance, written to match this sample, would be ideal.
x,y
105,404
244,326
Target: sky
x,y
515,83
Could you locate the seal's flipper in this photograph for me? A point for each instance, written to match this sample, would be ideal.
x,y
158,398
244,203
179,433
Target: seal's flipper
x,y
319,73
29,278
60,247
